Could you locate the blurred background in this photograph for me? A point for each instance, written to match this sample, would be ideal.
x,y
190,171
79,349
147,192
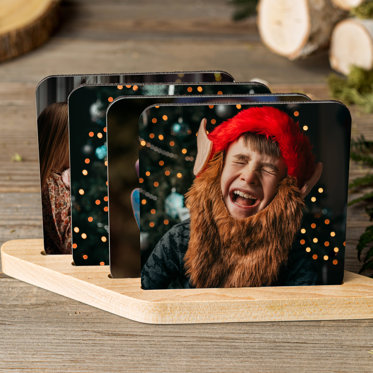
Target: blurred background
x,y
293,46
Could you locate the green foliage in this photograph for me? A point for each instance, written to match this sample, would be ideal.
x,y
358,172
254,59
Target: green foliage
x,y
365,10
243,9
356,88
362,152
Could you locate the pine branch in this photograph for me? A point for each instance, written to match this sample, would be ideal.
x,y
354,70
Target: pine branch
x,y
355,89
360,182
244,9
365,10
367,265
365,239
365,198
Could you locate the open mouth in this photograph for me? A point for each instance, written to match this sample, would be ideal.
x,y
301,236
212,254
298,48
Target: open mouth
x,y
243,199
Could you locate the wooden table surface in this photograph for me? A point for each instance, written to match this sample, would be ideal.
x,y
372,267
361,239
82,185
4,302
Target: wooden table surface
x,y
41,331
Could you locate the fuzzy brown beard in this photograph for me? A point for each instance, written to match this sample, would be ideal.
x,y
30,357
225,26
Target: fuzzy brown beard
x,y
228,252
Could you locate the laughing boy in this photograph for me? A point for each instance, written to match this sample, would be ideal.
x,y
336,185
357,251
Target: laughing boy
x,y
246,206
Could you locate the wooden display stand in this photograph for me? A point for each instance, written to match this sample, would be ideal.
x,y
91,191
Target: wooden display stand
x,y
22,259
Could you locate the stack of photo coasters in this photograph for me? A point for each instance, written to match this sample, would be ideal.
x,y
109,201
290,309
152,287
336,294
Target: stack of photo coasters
x,y
193,180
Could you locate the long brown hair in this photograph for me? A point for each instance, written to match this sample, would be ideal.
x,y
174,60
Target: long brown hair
x,y
53,140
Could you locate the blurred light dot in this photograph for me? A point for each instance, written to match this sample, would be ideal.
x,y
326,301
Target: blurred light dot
x,y
184,151
90,219
211,106
303,231
156,184
87,161
157,107
147,173
102,263
166,222
167,173
135,88
313,225
332,234
213,121
151,224
105,129
75,245
97,202
336,249
199,89
238,106
179,175
172,143
81,191
320,190
100,135
91,134
326,243
142,142
220,92
152,211
161,163
326,257
190,89
103,239
165,117
85,257
143,201
128,86
76,230
110,99
302,242
296,113
141,180
161,137
313,199
314,256
84,236
335,262
308,249
119,86
152,135
327,221
154,120
106,209
105,163
85,172
315,240
305,128
344,243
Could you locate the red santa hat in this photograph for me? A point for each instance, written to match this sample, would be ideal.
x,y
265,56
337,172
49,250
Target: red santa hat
x,y
295,147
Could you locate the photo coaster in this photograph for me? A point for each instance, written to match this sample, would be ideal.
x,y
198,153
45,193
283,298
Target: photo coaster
x,y
51,98
251,216
88,155
122,119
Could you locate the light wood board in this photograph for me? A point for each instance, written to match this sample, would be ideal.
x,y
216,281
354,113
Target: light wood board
x,y
22,259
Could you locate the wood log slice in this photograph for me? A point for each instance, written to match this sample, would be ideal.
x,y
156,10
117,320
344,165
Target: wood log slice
x,y
296,29
25,24
348,4
352,44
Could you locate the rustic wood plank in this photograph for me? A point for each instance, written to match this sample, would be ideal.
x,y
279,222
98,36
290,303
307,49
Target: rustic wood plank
x,y
49,332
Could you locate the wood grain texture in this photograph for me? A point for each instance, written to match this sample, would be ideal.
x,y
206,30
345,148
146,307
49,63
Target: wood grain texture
x,y
22,259
25,25
42,331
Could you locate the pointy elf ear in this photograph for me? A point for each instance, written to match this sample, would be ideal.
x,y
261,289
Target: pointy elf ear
x,y
204,148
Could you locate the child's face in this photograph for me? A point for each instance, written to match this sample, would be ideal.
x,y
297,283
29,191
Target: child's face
x,y
249,179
